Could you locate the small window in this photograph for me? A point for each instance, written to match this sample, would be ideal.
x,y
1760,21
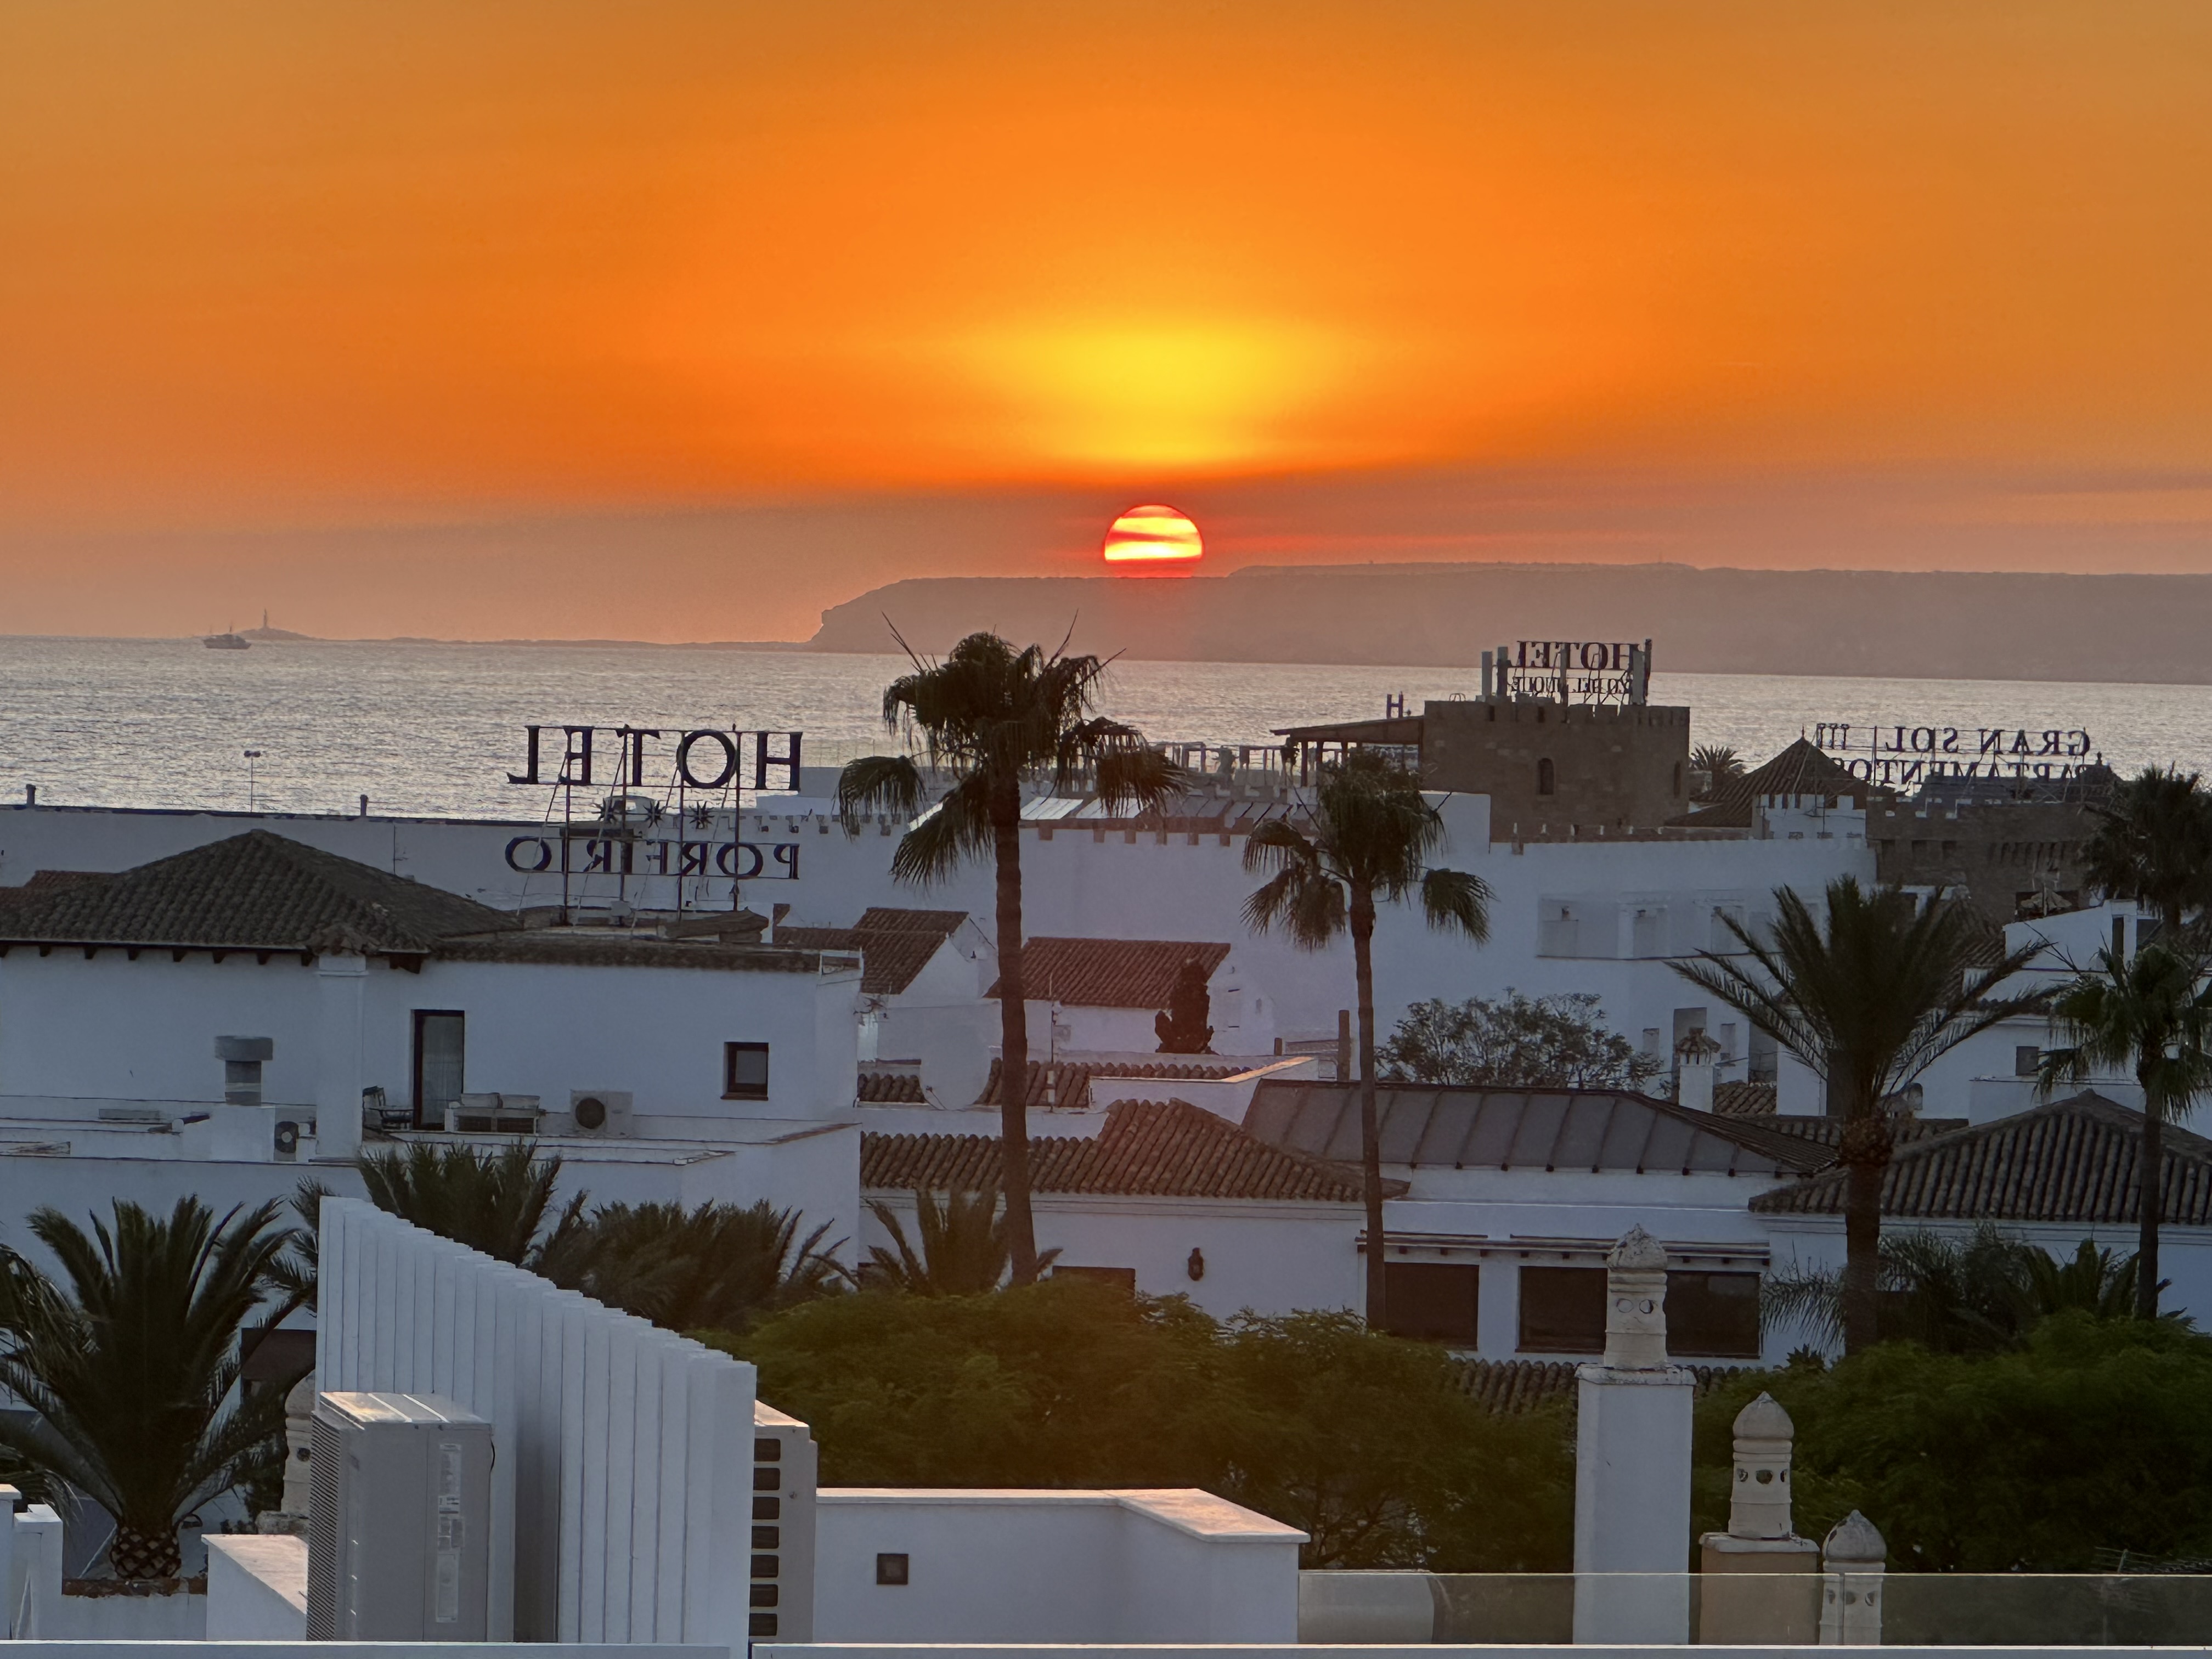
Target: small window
x,y
1432,1301
1563,1311
1546,779
2026,1059
744,1071
1122,1278
1712,1315
892,1569
1678,777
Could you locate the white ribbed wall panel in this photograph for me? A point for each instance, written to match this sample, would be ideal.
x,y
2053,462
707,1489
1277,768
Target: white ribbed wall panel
x,y
621,1490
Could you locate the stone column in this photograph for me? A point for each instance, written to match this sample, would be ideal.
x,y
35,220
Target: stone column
x,y
341,977
1632,1463
1760,1540
299,1409
1854,1559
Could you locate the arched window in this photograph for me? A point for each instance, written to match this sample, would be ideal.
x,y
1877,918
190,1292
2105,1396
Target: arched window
x,y
1547,783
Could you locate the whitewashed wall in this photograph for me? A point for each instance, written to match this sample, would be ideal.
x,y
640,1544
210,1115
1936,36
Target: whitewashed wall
x,y
110,1028
624,1469
1053,1566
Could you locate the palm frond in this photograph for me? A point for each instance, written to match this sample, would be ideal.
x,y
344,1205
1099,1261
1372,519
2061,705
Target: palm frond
x,y
878,783
1455,901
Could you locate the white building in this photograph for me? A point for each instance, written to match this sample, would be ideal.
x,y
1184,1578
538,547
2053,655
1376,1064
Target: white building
x,y
236,1005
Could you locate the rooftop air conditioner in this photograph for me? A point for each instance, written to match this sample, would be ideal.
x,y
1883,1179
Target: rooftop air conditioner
x,y
602,1111
493,1114
398,1547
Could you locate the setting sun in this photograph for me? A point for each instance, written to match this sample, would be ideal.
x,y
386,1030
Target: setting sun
x,y
1155,540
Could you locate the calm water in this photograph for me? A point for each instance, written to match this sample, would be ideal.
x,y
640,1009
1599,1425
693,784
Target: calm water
x,y
435,728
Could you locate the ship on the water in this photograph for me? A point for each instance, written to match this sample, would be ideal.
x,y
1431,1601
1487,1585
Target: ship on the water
x,y
227,642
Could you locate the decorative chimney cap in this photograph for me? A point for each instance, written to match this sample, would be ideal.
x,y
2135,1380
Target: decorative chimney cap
x,y
1638,1252
1855,1541
1764,1419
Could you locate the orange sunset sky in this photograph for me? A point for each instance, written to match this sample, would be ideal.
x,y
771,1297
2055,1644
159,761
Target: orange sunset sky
x,y
684,320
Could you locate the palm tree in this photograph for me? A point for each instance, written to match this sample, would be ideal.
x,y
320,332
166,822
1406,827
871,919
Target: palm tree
x,y
2152,1012
715,1267
964,1249
490,1201
1870,1001
1721,762
1975,1294
999,721
129,1365
1369,835
2153,843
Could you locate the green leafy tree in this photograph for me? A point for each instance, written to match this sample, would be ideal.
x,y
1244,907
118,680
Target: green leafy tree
x,y
129,1365
1869,996
1365,1441
998,720
2151,1012
959,1248
2153,843
2090,1436
1369,1444
1366,836
1181,1028
717,1267
493,1202
1556,1042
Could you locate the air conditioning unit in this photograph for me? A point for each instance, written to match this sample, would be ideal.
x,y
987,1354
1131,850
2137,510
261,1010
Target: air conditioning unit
x,y
781,1600
493,1114
601,1112
398,1545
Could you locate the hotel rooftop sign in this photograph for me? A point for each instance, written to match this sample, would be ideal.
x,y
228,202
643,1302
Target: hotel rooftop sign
x,y
1570,670
1903,753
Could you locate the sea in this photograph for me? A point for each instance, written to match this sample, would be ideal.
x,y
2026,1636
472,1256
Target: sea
x,y
434,729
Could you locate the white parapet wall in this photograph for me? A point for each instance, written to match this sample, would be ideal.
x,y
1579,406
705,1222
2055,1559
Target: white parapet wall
x,y
257,1589
922,1565
622,1479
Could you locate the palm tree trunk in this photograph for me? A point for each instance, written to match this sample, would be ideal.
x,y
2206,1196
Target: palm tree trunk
x,y
1864,1154
1371,1137
2151,1178
1013,1043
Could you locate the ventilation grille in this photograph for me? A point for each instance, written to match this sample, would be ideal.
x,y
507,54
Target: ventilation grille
x,y
324,1455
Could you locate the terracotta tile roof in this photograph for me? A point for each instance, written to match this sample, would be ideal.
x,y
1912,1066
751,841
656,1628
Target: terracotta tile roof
x,y
2073,1161
1441,1125
1520,1385
1109,973
610,947
1152,1148
895,944
891,1088
1800,770
257,891
1744,1099
1067,1083
1829,1130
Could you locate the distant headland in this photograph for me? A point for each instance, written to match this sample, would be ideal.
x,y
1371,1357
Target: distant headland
x,y
1882,624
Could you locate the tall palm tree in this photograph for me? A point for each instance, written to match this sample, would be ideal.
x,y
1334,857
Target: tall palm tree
x,y
959,1248
2151,1011
998,720
1869,999
2153,843
129,1365
1368,835
490,1201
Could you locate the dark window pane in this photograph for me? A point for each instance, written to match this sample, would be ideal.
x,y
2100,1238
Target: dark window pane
x,y
1712,1315
761,1624
744,1071
440,1046
768,1509
764,1595
1123,1278
768,1566
1431,1301
892,1569
1563,1311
